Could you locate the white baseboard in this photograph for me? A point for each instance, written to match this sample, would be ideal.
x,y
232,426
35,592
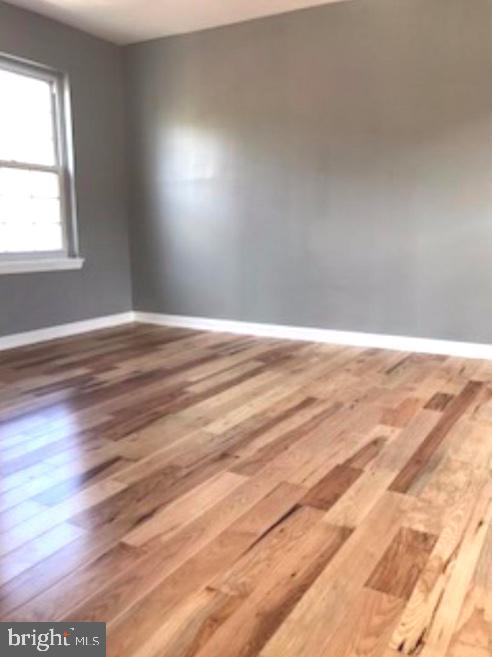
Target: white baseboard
x,y
64,330
350,338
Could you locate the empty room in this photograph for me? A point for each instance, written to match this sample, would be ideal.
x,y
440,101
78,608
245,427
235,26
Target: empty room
x,y
246,328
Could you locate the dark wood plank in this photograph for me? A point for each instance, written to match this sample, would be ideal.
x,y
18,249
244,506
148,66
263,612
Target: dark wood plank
x,y
402,563
331,487
404,480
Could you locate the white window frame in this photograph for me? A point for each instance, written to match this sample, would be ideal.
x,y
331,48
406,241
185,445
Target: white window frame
x,y
68,257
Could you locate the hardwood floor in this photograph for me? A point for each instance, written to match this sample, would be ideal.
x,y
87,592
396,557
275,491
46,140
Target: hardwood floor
x,y
211,495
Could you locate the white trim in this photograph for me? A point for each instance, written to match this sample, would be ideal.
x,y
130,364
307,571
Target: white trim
x,y
350,338
39,264
64,330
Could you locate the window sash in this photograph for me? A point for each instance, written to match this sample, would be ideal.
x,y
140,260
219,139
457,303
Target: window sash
x,y
59,171
63,167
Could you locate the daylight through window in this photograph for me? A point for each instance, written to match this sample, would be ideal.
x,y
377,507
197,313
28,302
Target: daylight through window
x,y
34,176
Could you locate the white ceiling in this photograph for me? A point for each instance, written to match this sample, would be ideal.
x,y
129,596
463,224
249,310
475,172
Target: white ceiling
x,y
128,21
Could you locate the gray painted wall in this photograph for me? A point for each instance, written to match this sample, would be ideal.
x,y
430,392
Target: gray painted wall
x,y
103,286
330,167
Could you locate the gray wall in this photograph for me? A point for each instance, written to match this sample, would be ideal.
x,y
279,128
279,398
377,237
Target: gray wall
x,y
102,287
330,167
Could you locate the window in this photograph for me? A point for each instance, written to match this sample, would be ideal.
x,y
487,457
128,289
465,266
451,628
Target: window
x,y
37,222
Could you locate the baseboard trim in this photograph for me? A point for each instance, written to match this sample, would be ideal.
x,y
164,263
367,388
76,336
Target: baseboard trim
x,y
348,338
64,330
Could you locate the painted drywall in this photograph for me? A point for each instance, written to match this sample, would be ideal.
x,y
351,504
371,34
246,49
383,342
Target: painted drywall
x,y
331,168
103,286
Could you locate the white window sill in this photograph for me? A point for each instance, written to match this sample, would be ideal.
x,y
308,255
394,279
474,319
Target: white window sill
x,y
39,264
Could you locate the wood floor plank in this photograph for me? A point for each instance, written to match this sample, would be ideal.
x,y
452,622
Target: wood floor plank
x,y
372,620
400,566
185,509
420,614
422,455
331,488
474,626
328,600
133,624
273,596
120,576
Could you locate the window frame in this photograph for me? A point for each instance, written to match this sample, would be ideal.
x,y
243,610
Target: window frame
x,y
20,261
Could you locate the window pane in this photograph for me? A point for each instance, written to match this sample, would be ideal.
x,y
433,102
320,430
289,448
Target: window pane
x,y
30,211
14,182
44,185
45,211
26,121
15,211
16,239
48,237
26,182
